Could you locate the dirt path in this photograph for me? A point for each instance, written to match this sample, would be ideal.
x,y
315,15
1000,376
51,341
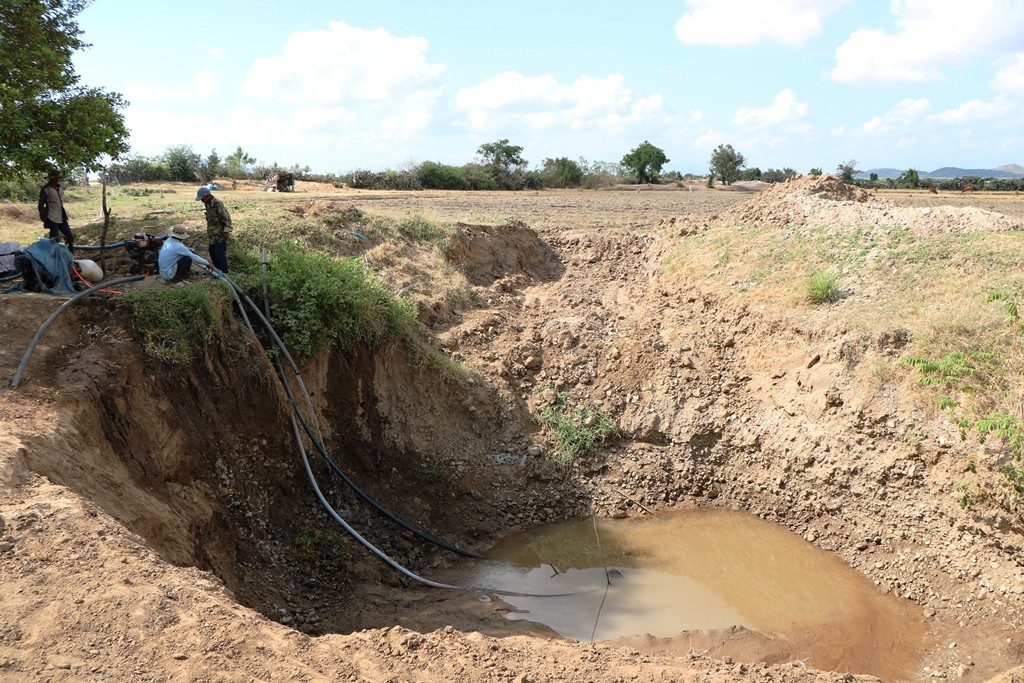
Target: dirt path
x,y
131,551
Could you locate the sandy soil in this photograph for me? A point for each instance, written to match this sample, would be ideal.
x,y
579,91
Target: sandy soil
x,y
158,526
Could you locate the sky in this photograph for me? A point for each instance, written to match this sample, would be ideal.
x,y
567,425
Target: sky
x,y
340,86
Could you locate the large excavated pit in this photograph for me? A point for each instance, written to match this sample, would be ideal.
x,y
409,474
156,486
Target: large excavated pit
x,y
718,405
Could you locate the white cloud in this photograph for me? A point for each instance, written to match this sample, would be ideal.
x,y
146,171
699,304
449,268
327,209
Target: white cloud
x,y
342,64
542,103
204,83
746,22
1010,78
784,108
931,36
202,86
709,139
696,116
973,110
901,117
415,114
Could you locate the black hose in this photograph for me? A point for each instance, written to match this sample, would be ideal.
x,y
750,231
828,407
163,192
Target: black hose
x,y
352,532
104,247
8,278
53,316
298,377
319,445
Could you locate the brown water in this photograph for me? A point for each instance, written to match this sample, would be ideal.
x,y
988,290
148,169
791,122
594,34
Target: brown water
x,y
698,570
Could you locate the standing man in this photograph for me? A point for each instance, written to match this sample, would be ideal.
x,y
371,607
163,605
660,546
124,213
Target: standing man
x,y
218,227
51,210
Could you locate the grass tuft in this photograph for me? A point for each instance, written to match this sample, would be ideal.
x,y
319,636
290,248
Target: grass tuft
x,y
823,287
578,431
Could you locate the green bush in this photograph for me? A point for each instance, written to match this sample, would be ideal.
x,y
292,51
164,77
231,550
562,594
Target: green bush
x,y
20,192
434,176
319,303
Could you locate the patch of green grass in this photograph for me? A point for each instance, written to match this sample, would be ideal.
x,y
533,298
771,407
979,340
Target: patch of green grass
x,y
578,430
413,228
313,545
823,287
179,326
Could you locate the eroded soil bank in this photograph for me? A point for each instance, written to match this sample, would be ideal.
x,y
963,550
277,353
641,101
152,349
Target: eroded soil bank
x,y
158,525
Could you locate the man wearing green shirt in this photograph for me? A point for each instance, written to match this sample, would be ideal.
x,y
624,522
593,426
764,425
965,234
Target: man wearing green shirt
x,y
218,227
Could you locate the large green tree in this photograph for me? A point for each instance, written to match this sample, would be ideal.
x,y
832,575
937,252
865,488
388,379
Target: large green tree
x,y
725,164
183,163
47,118
238,164
504,161
645,162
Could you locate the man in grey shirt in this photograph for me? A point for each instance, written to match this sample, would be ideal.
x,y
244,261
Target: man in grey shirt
x,y
51,210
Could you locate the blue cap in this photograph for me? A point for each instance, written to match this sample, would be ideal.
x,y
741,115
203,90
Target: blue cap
x,y
202,192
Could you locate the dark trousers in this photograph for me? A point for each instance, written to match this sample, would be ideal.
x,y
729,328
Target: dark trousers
x,y
183,268
63,228
219,256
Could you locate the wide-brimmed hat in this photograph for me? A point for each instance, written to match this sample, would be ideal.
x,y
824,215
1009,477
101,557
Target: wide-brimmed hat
x,y
179,231
54,174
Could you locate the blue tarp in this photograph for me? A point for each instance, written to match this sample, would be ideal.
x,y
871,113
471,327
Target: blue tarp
x,y
51,262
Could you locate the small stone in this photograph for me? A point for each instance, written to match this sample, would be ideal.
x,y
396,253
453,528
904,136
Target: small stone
x,y
535,450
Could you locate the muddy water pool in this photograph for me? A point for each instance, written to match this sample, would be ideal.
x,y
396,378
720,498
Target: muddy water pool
x,y
697,570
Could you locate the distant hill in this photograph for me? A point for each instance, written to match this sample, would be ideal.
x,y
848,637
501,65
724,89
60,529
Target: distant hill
x,y
1007,171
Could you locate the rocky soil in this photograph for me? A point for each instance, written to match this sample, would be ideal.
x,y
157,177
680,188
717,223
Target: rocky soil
x,y
158,526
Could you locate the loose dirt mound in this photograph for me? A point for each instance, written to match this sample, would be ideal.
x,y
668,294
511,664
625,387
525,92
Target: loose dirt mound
x,y
826,201
486,253
321,207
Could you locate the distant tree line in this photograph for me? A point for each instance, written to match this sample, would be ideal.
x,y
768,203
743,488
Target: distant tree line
x,y
180,163
49,120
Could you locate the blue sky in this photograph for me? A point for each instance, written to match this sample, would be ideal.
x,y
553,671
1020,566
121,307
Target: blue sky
x,y
339,86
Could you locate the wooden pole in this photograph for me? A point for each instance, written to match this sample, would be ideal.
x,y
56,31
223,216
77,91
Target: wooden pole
x,y
106,223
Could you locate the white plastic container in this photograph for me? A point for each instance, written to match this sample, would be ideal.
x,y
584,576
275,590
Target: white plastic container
x,y
89,270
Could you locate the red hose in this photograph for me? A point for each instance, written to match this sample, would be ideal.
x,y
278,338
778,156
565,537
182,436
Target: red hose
x,y
105,291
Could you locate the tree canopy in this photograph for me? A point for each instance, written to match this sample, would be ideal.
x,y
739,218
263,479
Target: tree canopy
x,y
725,164
503,161
645,162
47,118
846,170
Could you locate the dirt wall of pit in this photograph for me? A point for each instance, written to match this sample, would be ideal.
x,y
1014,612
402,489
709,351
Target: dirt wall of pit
x,y
200,461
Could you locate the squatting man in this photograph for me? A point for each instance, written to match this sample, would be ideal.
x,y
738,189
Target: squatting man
x,y
175,259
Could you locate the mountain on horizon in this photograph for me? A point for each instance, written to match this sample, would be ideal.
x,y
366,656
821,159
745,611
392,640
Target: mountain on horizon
x,y
1006,171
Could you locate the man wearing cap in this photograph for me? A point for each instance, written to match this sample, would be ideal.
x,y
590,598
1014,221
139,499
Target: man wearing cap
x,y
51,210
218,227
175,259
